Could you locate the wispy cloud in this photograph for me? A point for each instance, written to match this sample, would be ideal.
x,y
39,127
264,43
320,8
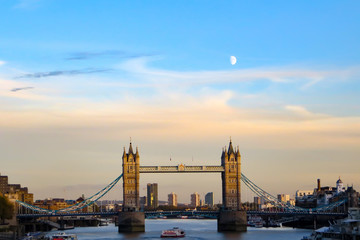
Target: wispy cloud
x,y
20,89
184,100
303,113
106,53
306,76
2,62
12,90
63,72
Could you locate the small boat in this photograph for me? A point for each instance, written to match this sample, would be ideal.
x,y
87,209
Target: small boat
x,y
255,221
63,236
103,222
173,233
259,225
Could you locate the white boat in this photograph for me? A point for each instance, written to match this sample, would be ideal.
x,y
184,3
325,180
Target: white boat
x,y
255,221
173,233
103,222
63,236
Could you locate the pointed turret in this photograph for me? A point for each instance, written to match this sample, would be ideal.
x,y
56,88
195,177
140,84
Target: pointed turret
x,y
125,156
238,152
231,149
137,152
131,149
124,153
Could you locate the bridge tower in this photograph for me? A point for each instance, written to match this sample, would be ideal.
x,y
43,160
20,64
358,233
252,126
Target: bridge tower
x,y
130,219
231,185
131,177
231,217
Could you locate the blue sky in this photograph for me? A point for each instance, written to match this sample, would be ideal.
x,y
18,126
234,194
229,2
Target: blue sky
x,y
95,73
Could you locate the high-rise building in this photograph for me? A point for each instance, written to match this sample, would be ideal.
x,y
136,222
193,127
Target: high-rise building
x,y
259,200
209,199
4,182
152,195
195,200
172,199
283,197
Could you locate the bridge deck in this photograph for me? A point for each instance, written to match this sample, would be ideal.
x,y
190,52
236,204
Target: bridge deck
x,y
149,213
181,169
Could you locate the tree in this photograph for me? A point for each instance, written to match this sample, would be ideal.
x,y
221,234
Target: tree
x,y
6,209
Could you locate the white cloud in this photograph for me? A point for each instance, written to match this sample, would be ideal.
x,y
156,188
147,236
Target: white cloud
x,y
140,69
302,112
2,62
155,101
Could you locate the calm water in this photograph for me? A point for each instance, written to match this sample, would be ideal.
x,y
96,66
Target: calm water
x,y
195,229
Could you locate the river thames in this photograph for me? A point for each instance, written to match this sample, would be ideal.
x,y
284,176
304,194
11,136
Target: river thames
x,y
195,229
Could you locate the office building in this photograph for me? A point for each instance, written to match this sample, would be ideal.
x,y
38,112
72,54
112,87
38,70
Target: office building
x,y
4,182
195,200
172,199
283,197
209,199
152,195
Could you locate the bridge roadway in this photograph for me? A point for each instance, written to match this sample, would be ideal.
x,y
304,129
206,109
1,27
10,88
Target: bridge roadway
x,y
184,213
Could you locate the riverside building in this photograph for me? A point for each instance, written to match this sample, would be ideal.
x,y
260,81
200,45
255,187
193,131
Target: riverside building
x,y
172,199
152,195
209,199
195,200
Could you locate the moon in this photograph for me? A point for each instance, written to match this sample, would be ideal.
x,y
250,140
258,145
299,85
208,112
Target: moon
x,y
232,60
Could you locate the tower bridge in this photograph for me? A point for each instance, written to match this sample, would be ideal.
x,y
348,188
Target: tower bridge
x,y
231,217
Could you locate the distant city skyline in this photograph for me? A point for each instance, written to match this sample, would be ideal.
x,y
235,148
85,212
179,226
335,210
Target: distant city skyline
x,y
78,80
153,192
